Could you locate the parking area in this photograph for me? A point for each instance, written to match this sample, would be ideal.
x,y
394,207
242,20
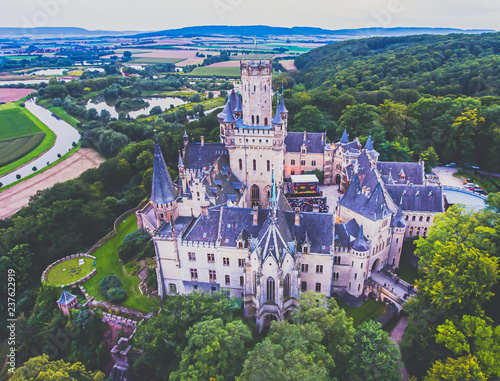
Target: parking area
x,y
446,177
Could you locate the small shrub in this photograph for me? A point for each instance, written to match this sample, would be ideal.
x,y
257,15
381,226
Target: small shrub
x,y
18,176
112,289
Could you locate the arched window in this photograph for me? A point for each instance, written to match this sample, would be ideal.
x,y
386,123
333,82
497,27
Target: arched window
x,y
254,193
286,287
268,194
265,121
254,163
428,219
421,218
293,172
257,120
254,88
268,165
253,119
271,292
254,283
241,164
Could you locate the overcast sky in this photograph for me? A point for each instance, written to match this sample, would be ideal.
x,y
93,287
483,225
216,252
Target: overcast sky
x,y
329,14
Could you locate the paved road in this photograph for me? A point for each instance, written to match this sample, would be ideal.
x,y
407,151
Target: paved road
x,y
446,177
396,336
13,199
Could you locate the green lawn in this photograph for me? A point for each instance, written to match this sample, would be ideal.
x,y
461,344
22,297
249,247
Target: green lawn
x,y
108,263
230,71
370,310
47,142
14,123
60,274
64,116
408,273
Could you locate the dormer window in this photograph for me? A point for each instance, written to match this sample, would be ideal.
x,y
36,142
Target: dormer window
x,y
305,249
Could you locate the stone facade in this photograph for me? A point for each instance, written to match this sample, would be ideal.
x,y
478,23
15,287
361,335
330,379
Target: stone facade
x,y
227,225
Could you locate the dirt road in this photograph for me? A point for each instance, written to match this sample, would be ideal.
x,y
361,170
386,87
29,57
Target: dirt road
x,y
13,199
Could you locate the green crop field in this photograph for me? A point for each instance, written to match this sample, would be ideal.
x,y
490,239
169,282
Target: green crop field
x,y
21,57
23,137
13,149
14,122
155,60
232,71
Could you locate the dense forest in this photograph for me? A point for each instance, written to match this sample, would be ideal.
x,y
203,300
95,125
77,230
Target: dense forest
x,y
419,96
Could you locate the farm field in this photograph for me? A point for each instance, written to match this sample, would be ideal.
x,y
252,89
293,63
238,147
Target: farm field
x,y
217,71
12,95
288,64
22,137
155,60
14,123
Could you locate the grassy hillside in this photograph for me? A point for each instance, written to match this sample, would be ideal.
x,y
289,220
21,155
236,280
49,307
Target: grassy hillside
x,y
455,64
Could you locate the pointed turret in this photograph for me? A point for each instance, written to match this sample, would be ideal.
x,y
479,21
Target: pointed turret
x,y
185,138
239,106
345,137
180,162
233,98
282,108
399,221
277,117
163,190
361,244
369,144
273,201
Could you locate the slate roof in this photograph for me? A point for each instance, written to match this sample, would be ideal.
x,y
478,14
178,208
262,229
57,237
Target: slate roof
x,y
373,206
277,116
313,142
66,298
361,244
163,190
369,144
180,223
239,107
398,221
234,220
418,198
319,229
413,172
346,233
203,157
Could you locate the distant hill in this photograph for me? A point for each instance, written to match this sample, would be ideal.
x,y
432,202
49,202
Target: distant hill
x,y
456,64
263,30
60,31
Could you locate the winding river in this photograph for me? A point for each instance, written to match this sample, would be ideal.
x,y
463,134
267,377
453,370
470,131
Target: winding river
x,y
65,136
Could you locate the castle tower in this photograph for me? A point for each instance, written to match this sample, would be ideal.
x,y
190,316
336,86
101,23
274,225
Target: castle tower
x,y
253,137
163,192
256,84
359,258
398,234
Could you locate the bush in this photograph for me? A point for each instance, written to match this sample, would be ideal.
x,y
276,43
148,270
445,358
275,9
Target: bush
x,y
112,289
57,102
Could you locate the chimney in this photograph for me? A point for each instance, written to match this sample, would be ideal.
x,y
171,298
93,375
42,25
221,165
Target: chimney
x,y
204,210
305,135
297,217
315,208
202,141
255,211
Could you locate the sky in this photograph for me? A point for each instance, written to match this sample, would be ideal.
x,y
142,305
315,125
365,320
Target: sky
x,y
146,15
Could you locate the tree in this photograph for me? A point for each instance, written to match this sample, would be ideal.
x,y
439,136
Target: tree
x,y
127,55
214,351
105,115
430,158
289,352
38,368
374,355
462,368
156,110
310,119
163,338
394,117
473,335
195,98
337,328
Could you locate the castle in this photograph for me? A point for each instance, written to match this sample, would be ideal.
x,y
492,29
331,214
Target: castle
x,y
227,223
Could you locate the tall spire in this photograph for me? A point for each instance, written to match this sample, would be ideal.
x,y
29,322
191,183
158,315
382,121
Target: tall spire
x,y
273,202
277,117
163,190
181,163
398,219
283,109
185,136
345,137
369,143
239,106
